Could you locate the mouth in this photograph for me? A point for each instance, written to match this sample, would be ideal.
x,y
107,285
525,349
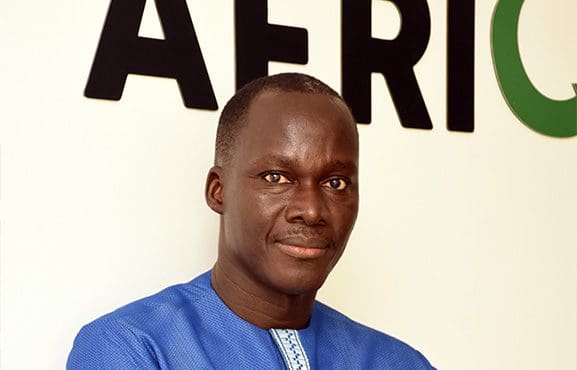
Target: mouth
x,y
303,248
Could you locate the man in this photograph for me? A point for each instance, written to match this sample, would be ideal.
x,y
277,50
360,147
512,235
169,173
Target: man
x,y
285,185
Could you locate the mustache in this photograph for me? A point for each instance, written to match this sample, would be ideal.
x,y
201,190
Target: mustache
x,y
305,231
303,234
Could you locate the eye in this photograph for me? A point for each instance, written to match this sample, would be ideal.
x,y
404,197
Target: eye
x,y
276,178
336,184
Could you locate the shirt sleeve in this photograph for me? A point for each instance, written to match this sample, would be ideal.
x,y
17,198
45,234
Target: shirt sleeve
x,y
111,346
427,363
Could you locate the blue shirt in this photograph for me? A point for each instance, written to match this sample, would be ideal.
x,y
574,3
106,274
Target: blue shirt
x,y
188,326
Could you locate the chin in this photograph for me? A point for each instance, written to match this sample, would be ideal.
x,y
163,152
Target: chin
x,y
298,282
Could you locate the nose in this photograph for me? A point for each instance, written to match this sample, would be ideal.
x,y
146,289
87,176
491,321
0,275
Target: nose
x,y
307,205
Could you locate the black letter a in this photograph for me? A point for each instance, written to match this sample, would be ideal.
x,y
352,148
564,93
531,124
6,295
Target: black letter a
x,y
121,51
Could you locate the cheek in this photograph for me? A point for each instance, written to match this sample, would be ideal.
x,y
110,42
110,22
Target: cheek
x,y
269,204
345,214
266,211
253,215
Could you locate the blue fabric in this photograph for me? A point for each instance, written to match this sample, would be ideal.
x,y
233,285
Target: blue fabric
x,y
187,326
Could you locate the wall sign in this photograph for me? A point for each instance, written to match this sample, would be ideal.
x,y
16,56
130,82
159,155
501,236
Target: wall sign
x,y
121,51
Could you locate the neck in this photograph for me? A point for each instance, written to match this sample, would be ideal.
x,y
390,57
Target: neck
x,y
261,306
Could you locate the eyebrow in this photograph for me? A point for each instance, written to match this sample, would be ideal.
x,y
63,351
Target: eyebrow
x,y
276,160
272,160
343,165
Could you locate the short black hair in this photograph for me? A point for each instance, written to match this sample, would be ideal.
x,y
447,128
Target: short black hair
x,y
232,117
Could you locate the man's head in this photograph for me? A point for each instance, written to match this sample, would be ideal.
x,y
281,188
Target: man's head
x,y
285,183
233,116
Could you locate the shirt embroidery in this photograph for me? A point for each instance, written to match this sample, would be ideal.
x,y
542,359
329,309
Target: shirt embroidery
x,y
289,344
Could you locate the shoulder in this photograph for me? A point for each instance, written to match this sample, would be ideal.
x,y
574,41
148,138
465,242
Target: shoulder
x,y
368,346
157,310
125,338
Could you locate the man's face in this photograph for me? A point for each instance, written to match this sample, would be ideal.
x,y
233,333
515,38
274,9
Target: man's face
x,y
290,192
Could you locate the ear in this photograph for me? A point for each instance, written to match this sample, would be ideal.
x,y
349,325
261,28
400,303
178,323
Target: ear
x,y
213,192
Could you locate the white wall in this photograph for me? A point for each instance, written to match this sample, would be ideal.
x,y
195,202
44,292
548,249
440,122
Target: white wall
x,y
465,246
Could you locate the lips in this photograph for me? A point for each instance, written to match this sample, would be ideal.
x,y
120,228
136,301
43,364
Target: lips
x,y
303,248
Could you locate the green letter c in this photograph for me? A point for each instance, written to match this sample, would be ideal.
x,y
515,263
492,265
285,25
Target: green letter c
x,y
550,117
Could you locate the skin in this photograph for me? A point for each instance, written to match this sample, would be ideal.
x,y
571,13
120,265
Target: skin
x,y
288,200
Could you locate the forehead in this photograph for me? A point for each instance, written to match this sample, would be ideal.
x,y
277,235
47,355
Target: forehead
x,y
298,126
273,110
276,101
